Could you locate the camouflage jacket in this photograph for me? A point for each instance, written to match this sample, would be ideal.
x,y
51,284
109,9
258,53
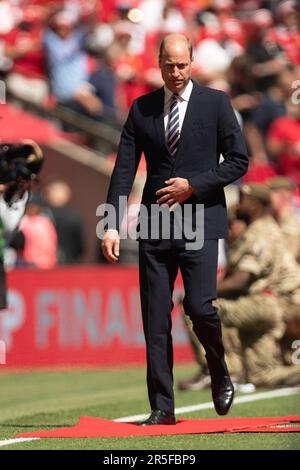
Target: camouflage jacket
x,y
262,251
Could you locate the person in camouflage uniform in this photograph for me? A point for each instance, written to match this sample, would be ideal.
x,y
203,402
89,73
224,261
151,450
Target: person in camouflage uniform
x,y
282,195
262,277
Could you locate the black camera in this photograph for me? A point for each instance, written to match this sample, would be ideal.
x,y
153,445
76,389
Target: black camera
x,y
19,165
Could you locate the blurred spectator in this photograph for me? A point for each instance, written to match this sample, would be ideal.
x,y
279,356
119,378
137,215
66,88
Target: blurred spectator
x,y
258,109
286,33
284,142
10,15
172,20
214,48
127,66
231,29
96,98
68,222
269,58
282,200
224,8
211,59
260,118
23,45
104,84
82,9
152,11
162,15
259,171
242,84
273,102
126,11
66,59
40,248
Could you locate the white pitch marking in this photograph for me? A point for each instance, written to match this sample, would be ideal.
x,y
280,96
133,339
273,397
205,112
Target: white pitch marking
x,y
282,392
8,442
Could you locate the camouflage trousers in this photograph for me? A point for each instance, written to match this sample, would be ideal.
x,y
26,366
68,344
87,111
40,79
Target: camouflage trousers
x,y
260,324
290,305
252,327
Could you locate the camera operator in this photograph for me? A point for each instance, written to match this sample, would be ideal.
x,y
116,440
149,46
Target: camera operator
x,y
19,167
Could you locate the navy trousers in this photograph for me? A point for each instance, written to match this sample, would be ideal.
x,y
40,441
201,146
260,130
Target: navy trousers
x,y
159,262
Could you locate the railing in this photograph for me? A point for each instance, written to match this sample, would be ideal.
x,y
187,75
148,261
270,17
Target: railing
x,y
102,136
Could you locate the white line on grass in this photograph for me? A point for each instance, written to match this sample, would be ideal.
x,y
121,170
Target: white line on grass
x,y
282,392
7,442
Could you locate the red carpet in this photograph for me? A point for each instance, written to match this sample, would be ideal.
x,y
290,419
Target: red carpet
x,y
97,427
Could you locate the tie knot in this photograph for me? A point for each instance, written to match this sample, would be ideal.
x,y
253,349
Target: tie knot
x,y
174,101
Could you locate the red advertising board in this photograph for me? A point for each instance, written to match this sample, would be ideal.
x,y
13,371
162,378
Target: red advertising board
x,y
79,316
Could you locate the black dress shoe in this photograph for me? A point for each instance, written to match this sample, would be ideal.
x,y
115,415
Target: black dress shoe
x,y
159,417
223,395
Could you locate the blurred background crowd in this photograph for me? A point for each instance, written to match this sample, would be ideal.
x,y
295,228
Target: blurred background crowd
x,y
90,59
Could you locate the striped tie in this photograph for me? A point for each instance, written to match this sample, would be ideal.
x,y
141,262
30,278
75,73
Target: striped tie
x,y
173,134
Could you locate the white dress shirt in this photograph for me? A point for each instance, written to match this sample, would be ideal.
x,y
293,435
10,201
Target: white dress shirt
x,y
184,96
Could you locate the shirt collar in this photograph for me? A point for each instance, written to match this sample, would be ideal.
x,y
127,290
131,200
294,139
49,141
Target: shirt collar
x,y
184,94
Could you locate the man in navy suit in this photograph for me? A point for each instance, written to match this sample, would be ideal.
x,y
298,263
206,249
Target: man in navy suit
x,y
182,128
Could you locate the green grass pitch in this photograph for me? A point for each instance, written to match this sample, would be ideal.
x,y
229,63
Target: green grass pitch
x,y
32,400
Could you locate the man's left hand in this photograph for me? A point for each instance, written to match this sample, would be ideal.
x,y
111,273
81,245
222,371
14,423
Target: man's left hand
x,y
176,191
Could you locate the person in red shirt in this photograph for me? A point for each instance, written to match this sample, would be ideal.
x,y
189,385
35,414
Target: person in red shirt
x,y
287,33
40,248
23,45
284,142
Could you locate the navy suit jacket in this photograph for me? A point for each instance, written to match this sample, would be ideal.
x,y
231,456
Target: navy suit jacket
x,y
210,128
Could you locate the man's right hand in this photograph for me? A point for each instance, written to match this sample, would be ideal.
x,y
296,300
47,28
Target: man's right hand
x,y
110,246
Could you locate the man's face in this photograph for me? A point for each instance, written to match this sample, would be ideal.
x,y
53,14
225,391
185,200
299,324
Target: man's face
x,y
64,30
176,66
236,230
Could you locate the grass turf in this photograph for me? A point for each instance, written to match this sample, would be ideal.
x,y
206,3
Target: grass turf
x,y
47,399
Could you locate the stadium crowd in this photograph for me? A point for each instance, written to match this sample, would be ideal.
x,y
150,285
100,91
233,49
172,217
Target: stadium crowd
x,y
96,56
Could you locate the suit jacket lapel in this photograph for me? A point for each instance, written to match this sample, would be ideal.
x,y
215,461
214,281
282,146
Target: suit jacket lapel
x,y
159,120
192,112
